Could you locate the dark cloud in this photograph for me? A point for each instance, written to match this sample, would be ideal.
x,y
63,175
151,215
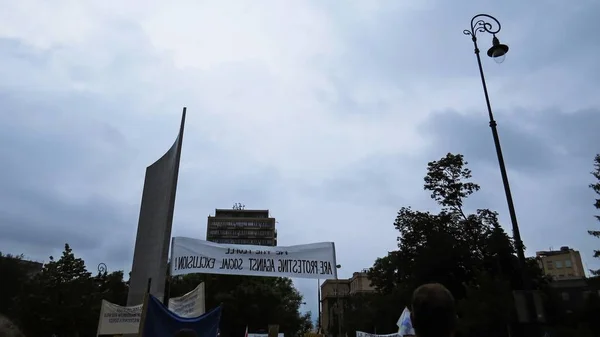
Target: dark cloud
x,y
386,181
47,220
535,142
51,184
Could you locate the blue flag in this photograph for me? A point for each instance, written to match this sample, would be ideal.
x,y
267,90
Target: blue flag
x,y
161,322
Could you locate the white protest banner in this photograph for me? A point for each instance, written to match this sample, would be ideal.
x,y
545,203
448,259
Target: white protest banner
x,y
263,334
117,320
365,334
312,261
189,305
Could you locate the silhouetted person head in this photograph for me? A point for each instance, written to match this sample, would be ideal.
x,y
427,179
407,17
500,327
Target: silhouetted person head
x,y
8,328
433,312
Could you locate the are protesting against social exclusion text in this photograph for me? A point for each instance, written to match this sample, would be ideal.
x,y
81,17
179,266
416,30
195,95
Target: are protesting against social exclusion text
x,y
315,261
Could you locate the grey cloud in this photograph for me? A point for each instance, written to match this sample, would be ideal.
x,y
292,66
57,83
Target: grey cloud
x,y
47,220
378,180
470,134
61,170
419,45
536,142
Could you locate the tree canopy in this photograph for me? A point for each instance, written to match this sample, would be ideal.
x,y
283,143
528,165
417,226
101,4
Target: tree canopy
x,y
14,277
370,312
64,298
467,251
450,246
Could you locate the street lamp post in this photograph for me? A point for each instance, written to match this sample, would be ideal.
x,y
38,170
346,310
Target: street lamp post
x,y
337,301
484,23
319,306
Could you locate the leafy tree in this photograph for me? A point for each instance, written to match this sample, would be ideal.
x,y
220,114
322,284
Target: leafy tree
x,y
386,274
111,287
60,298
596,188
14,277
486,310
360,313
447,247
255,302
371,312
63,298
306,323
464,251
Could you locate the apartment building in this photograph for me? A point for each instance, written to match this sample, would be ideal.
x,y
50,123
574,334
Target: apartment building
x,y
334,293
561,264
242,226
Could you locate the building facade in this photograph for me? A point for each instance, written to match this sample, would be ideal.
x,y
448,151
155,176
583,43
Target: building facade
x,y
571,294
334,294
563,264
242,227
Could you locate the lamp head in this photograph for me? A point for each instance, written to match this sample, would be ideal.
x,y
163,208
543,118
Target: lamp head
x,y
498,50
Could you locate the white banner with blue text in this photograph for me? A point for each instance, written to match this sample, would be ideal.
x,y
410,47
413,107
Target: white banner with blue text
x,y
189,305
312,261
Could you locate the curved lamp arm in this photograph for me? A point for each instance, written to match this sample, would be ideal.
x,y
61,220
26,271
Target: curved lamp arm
x,y
479,24
102,268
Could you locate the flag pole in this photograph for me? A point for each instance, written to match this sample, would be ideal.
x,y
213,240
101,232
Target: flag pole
x,y
167,294
144,309
319,306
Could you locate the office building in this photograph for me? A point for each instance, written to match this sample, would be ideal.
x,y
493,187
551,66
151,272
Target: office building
x,y
242,227
561,264
337,291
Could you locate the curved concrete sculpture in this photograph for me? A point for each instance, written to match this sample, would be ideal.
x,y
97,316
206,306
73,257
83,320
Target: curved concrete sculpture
x,y
154,226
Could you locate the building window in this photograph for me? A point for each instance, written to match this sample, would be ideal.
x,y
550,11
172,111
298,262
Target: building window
x,y
568,264
565,296
558,264
549,265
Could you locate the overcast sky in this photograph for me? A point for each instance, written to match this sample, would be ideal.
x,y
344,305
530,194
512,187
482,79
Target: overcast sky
x,y
324,112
